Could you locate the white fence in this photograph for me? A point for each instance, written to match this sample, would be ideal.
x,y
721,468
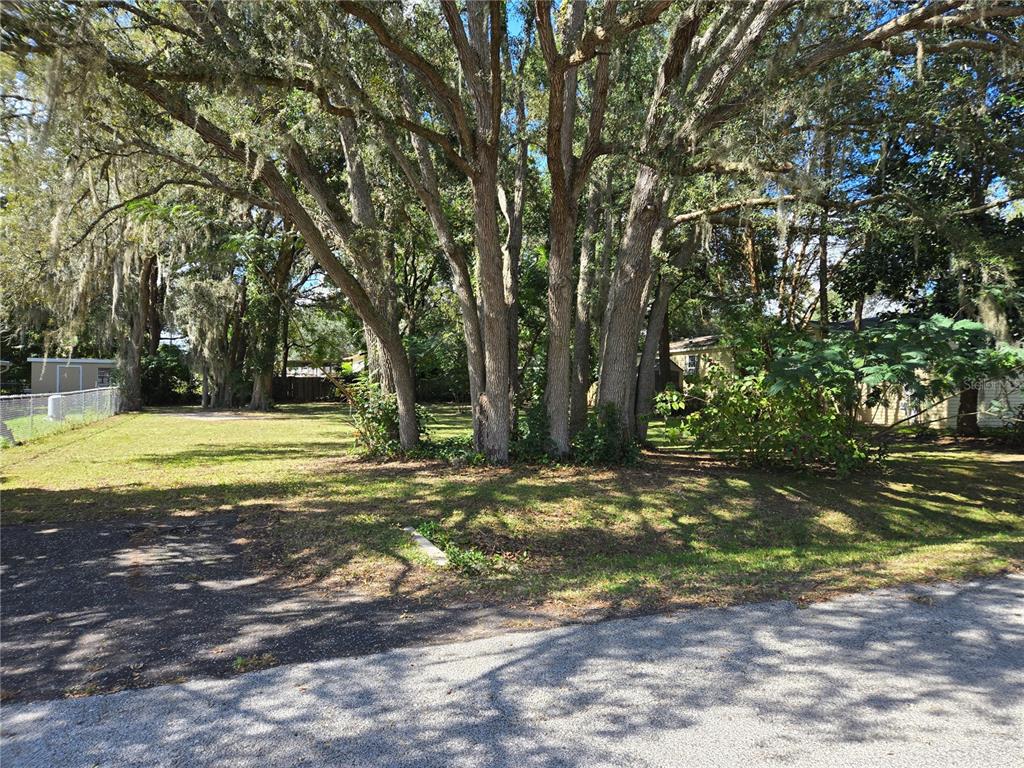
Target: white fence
x,y
26,417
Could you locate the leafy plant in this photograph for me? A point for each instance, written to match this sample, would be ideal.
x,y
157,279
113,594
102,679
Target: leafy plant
x,y
456,451
375,418
751,422
798,407
166,378
532,443
468,560
602,442
670,403
922,360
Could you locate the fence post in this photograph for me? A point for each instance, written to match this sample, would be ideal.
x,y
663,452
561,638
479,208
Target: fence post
x,y
31,415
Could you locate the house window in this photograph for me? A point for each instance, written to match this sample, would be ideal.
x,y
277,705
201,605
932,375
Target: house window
x,y
692,365
102,377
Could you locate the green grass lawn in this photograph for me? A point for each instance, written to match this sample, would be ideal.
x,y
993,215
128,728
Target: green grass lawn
x,y
25,428
677,529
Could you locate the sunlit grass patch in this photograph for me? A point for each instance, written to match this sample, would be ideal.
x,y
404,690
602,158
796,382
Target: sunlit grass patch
x,y
677,529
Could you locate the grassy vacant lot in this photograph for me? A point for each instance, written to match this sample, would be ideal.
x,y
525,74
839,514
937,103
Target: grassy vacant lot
x,y
677,529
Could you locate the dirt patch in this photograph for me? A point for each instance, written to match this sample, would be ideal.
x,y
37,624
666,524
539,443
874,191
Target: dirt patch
x,y
99,607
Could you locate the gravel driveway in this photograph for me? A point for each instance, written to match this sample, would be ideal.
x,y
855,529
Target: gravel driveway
x,y
920,677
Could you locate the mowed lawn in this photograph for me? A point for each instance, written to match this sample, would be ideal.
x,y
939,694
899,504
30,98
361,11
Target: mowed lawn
x,y
677,529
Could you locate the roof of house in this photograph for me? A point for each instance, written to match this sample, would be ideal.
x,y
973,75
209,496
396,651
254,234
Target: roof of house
x,y
72,360
711,340
847,325
693,344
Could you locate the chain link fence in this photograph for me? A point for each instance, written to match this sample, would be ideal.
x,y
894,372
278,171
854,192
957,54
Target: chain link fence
x,y
26,417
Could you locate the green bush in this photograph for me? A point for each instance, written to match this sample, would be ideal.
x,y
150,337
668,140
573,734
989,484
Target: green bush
x,y
375,418
601,441
166,378
531,442
456,451
793,402
753,423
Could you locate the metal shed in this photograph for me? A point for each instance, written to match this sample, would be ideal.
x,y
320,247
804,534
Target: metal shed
x,y
70,374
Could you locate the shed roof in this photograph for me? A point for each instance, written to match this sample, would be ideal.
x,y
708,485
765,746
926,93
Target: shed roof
x,y
66,360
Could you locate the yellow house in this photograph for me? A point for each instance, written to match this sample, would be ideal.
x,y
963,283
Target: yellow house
x,y
996,399
691,357
70,374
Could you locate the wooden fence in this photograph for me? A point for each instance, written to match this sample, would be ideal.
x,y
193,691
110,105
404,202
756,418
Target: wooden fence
x,y
303,389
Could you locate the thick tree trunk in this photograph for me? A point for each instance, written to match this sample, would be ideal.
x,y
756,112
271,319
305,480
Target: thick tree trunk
x,y
264,350
664,359
750,256
562,107
285,340
378,365
617,385
495,405
377,269
262,391
581,352
973,308
560,262
205,400
967,414
353,289
425,184
645,379
131,353
604,271
513,210
154,325
858,314
823,310
656,338
235,332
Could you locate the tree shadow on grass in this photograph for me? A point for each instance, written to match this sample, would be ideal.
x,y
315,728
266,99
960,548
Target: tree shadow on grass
x,y
86,604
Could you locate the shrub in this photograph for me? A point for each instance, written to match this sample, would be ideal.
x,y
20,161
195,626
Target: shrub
x,y
531,443
793,402
601,442
456,451
375,417
166,378
754,423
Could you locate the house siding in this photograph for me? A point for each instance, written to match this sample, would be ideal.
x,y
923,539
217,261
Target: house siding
x,y
705,357
996,399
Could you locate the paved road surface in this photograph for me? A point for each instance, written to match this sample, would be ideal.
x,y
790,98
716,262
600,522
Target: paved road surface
x,y
923,677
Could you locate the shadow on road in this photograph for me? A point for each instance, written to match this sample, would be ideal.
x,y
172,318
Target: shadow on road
x,y
857,672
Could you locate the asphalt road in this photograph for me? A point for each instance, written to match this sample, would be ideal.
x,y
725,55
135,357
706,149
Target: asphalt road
x,y
922,677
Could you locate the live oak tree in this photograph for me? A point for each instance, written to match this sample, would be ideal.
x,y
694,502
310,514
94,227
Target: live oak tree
x,y
605,142
940,240
719,64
